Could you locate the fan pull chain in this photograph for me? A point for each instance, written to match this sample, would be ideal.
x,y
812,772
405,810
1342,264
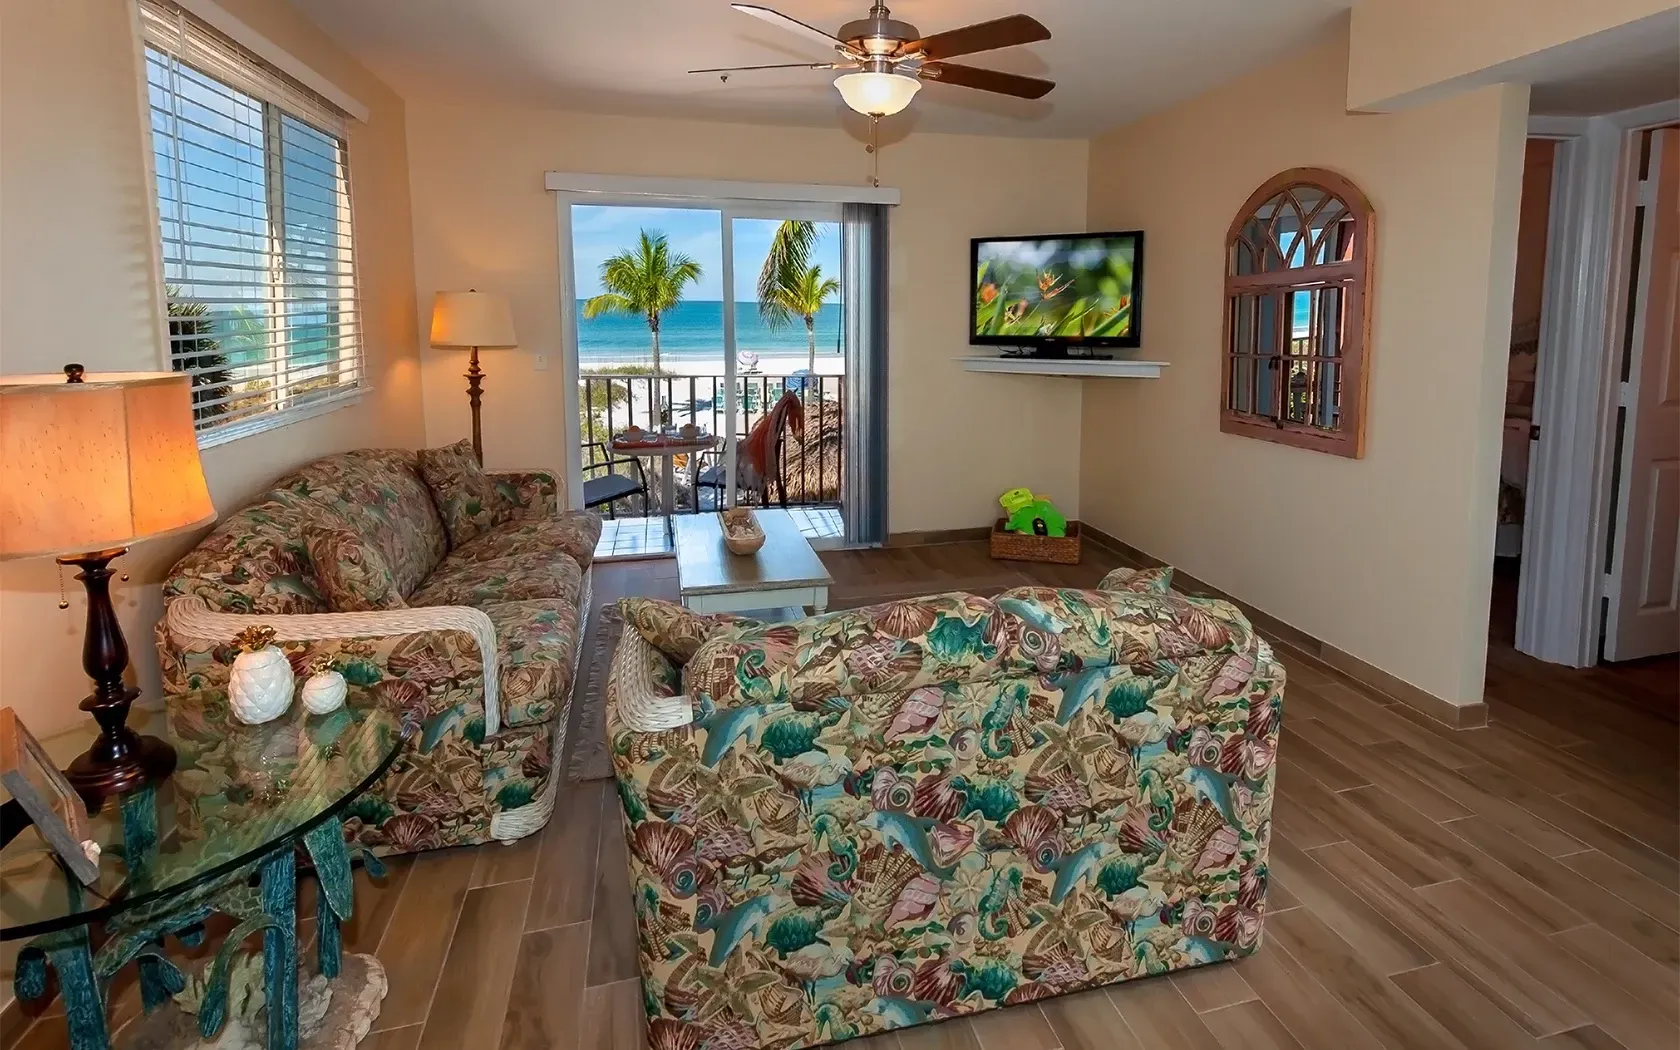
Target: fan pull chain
x,y
874,151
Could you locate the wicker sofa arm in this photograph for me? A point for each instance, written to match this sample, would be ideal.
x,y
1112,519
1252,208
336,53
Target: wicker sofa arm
x,y
536,492
642,706
190,618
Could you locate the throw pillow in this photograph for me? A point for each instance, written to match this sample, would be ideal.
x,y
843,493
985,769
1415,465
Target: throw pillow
x,y
469,501
1157,580
351,575
673,629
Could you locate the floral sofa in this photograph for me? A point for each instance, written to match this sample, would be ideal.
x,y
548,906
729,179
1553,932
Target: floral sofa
x,y
479,642
896,815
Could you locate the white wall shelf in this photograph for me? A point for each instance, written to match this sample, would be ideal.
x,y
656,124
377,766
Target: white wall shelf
x,y
1077,367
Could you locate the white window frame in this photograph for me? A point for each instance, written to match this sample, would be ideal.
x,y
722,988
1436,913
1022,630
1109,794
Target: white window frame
x,y
268,61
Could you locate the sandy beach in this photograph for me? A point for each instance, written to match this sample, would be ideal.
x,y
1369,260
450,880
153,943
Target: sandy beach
x,y
770,363
701,398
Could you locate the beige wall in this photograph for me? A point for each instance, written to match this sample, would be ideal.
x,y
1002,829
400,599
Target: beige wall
x,y
1388,557
78,282
1406,51
482,219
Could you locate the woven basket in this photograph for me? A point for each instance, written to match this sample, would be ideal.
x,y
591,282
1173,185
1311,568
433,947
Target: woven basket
x,y
1022,546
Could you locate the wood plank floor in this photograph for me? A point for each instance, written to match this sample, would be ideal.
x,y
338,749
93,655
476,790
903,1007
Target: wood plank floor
x,y
1515,886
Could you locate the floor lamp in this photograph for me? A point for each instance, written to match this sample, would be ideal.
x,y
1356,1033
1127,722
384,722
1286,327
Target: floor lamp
x,y
90,465
472,320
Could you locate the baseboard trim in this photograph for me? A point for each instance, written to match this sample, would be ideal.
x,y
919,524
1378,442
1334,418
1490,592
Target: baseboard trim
x,y
928,537
1455,716
1103,539
1467,716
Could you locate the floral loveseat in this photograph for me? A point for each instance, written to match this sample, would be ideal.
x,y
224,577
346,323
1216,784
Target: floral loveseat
x,y
900,814
479,643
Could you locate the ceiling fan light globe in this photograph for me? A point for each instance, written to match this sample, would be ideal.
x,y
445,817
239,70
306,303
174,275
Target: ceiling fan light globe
x,y
877,94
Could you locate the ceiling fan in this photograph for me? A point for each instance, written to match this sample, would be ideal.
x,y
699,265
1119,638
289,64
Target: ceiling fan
x,y
888,59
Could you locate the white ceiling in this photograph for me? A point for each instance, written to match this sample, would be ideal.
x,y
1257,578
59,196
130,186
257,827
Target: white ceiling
x,y
1632,65
1113,60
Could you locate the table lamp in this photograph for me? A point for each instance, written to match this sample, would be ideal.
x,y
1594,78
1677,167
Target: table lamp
x,y
467,321
89,465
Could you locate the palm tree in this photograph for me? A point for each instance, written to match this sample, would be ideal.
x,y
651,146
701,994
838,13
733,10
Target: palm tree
x,y
799,293
644,281
194,348
790,252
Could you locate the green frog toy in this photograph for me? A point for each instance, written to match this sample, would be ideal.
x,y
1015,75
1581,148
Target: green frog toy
x,y
1031,514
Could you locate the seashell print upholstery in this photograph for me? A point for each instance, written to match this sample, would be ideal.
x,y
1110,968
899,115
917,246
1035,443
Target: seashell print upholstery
x,y
349,559
896,815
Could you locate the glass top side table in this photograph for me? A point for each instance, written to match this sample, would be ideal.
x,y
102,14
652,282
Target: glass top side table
x,y
241,801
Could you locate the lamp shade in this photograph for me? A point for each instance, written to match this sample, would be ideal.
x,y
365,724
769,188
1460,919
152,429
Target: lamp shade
x,y
877,94
98,464
463,319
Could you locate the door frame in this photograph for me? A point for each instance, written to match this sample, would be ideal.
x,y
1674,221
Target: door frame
x,y
1567,504
733,200
1627,628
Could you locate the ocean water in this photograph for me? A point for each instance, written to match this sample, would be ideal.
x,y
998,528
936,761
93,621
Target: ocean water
x,y
695,330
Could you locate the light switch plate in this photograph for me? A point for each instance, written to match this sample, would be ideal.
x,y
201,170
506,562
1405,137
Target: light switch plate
x,y
539,362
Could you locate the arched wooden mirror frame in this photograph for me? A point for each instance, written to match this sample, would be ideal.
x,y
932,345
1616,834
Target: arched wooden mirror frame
x,y
1322,407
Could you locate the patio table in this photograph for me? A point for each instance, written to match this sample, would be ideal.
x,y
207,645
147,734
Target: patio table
x,y
667,448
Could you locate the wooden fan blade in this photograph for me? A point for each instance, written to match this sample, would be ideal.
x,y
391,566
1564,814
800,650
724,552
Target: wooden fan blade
x,y
987,80
982,36
792,25
780,65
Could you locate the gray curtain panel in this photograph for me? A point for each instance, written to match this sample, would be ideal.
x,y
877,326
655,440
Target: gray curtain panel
x,y
865,260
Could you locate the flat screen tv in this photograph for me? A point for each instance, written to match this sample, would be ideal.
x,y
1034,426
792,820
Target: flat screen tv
x,y
1054,292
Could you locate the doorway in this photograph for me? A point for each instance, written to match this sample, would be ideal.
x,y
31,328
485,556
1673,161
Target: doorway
x,y
1518,431
1596,566
733,318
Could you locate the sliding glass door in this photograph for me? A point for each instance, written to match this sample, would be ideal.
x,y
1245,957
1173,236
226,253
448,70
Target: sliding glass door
x,y
731,317
647,303
791,363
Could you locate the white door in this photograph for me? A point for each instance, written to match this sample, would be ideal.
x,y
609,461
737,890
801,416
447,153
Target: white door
x,y
1644,583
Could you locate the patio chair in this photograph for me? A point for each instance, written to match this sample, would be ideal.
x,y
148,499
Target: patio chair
x,y
712,477
767,439
613,486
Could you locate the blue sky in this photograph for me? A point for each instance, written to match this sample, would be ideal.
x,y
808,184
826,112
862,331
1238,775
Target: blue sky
x,y
601,232
212,146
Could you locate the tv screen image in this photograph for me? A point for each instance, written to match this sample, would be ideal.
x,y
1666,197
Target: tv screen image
x,y
1079,288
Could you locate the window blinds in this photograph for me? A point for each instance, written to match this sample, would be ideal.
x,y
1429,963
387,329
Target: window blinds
x,y
255,223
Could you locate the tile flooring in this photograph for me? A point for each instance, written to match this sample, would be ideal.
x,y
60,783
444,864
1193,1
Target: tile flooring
x,y
1514,886
645,537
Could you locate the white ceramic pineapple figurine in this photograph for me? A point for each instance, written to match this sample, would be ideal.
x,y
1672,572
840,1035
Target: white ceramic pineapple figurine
x,y
323,693
260,689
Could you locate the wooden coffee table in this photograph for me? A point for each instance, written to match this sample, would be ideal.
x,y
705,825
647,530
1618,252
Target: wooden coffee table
x,y
784,572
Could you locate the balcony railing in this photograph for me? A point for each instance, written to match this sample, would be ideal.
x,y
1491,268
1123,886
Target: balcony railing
x,y
811,467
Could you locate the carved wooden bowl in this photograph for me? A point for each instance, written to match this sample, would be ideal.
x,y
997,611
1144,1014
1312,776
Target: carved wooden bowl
x,y
741,533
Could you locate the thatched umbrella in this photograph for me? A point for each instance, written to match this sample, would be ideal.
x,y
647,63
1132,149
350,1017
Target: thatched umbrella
x,y
814,462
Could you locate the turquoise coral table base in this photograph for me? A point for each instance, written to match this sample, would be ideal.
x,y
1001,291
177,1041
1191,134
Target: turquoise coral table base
x,y
84,976
267,792
68,954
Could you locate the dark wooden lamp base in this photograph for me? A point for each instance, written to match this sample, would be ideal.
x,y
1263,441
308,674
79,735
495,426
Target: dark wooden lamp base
x,y
140,761
120,760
